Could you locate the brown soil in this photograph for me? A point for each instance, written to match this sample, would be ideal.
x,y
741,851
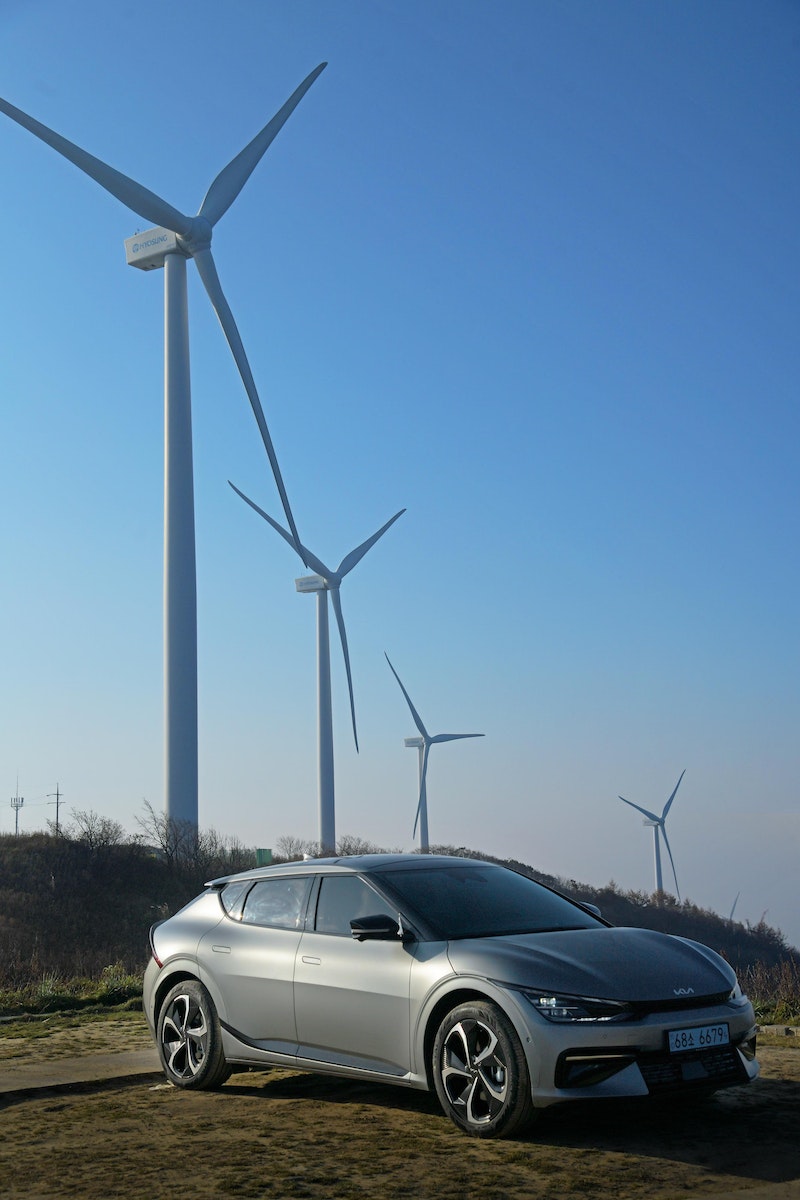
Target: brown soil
x,y
48,1039
285,1134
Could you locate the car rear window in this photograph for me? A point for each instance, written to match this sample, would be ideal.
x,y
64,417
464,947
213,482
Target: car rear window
x,y
231,897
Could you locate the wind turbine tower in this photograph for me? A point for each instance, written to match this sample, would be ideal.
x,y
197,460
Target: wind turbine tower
x,y
326,581
422,745
177,238
658,825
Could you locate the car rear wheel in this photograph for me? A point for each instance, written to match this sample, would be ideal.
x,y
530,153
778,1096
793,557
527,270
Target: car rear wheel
x,y
189,1038
480,1071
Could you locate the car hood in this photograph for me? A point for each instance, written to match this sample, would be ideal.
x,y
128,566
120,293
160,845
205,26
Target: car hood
x,y
610,964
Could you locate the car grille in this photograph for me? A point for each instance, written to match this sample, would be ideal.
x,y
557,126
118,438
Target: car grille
x,y
643,1008
719,1066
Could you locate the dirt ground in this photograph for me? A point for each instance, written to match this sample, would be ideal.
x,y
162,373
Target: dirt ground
x,y
285,1134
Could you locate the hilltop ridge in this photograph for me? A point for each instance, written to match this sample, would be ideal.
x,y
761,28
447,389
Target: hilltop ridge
x,y
72,905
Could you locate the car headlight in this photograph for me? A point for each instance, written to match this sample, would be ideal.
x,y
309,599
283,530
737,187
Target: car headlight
x,y
737,996
562,1009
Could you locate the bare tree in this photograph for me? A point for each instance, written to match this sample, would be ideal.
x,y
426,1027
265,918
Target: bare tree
x,y
291,848
175,839
199,854
95,831
350,844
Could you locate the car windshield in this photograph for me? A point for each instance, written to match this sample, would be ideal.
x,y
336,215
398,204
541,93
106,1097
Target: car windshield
x,y
462,901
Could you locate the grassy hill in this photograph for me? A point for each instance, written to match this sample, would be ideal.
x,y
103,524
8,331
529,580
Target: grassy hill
x,y
81,903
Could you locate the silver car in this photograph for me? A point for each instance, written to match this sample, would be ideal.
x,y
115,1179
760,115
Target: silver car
x,y
440,973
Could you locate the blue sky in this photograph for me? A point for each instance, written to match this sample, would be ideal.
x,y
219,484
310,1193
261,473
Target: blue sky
x,y
528,269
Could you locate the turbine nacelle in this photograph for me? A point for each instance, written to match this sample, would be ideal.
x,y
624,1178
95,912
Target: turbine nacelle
x,y
148,250
311,583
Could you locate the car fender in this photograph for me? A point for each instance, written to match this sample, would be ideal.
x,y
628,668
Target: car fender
x,y
214,992
447,993
185,967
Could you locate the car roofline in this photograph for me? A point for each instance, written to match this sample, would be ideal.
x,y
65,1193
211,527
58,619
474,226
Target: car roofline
x,y
355,863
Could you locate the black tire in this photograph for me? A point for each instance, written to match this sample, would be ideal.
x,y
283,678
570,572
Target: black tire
x,y
189,1038
480,1071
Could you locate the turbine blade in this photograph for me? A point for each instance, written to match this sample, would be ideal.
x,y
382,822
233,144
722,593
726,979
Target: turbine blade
x,y
663,833
279,528
454,737
208,274
336,601
310,559
231,179
414,713
423,793
355,556
639,808
668,805
133,195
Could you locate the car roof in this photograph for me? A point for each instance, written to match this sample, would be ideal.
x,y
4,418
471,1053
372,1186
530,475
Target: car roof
x,y
347,863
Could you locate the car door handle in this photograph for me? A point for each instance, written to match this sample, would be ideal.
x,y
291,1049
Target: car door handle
x,y
312,962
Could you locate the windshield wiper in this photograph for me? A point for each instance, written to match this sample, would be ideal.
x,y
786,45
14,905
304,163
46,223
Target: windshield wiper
x,y
561,928
527,929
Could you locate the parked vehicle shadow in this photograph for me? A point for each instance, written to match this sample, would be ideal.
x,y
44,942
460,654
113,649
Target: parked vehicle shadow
x,y
748,1133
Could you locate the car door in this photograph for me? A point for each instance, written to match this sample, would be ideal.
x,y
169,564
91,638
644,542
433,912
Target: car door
x,y
250,957
352,998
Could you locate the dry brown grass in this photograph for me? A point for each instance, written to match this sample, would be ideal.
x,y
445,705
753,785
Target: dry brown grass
x,y
283,1134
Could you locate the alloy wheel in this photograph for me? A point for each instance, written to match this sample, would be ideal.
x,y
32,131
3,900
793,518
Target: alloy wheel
x,y
184,1037
474,1072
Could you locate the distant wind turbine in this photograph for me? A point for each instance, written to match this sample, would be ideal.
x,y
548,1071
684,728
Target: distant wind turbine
x,y
423,745
177,238
659,829
324,582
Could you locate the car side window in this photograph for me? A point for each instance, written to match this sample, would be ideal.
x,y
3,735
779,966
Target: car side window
x,y
277,902
342,898
231,897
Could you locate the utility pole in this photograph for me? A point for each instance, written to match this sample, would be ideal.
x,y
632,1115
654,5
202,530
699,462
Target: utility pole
x,y
57,803
17,803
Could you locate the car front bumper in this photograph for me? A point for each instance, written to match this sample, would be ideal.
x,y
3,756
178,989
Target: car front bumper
x,y
632,1059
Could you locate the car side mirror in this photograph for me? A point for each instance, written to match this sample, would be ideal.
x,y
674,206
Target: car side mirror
x,y
380,928
591,908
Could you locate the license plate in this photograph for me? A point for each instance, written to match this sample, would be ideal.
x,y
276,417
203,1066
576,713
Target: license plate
x,y
699,1038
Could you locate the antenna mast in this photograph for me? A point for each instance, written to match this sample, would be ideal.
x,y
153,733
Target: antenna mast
x,y
17,803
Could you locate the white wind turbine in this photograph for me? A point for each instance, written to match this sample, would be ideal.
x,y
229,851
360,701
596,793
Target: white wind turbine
x,y
177,238
423,745
658,825
324,582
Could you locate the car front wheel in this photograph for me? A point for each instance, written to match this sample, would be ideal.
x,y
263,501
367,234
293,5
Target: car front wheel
x,y
189,1038
480,1071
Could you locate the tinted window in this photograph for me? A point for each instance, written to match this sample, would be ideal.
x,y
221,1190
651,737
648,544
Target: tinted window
x,y
483,901
341,899
232,895
277,902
